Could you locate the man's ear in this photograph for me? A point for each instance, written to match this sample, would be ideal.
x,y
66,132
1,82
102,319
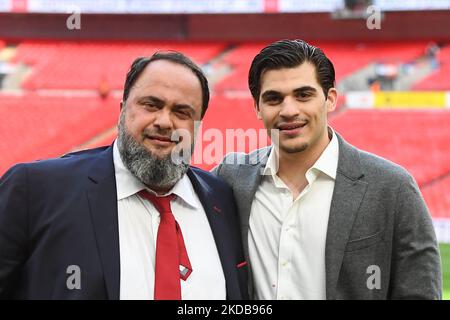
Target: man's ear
x,y
258,111
122,109
331,99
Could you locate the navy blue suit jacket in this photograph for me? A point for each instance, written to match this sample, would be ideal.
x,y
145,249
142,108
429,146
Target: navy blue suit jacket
x,y
62,212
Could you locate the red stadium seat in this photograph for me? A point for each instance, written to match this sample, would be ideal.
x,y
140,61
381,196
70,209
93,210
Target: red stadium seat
x,y
36,127
83,65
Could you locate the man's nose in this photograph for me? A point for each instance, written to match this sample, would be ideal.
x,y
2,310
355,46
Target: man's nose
x,y
163,119
290,108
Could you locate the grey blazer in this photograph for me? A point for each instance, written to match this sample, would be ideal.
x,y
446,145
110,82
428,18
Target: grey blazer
x,y
378,219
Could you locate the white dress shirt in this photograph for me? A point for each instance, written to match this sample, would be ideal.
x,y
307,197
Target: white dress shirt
x,y
287,236
138,230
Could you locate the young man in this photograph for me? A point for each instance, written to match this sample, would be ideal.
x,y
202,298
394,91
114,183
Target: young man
x,y
321,219
106,223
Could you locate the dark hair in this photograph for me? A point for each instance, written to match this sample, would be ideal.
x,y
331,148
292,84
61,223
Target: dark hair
x,y
290,54
140,63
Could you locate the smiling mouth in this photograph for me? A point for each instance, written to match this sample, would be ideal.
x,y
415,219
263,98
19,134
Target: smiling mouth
x,y
287,127
161,139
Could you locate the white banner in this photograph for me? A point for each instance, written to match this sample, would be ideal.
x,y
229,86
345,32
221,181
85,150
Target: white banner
x,y
148,6
207,6
359,100
5,6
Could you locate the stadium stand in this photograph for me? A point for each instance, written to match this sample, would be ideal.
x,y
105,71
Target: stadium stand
x,y
82,65
36,127
440,78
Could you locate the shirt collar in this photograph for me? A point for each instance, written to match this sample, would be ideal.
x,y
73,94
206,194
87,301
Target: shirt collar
x,y
327,162
271,167
127,184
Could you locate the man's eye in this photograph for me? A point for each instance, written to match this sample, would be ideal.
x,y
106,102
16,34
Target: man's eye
x,y
273,100
304,95
183,114
150,105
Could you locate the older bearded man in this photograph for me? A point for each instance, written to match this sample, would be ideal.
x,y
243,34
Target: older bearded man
x,y
126,221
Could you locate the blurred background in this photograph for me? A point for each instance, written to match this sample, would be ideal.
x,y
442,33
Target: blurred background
x,y
63,65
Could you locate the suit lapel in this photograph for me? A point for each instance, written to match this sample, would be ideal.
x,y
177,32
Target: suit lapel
x,y
347,196
249,177
220,231
102,197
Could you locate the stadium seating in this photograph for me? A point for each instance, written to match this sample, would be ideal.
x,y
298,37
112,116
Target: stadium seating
x,y
440,78
84,65
35,127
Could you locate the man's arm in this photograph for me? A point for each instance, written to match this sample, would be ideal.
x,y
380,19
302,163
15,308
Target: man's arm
x,y
13,227
416,263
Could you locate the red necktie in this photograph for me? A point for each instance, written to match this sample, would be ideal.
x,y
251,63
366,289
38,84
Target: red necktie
x,y
172,261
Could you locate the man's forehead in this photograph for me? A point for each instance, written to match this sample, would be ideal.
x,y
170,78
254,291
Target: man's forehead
x,y
163,73
166,69
288,79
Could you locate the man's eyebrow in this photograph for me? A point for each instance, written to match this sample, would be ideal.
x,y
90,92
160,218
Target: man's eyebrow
x,y
305,89
269,93
302,89
155,100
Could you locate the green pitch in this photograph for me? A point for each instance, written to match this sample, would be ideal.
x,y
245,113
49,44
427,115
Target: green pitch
x,y
445,256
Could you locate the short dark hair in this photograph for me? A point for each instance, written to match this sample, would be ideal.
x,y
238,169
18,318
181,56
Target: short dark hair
x,y
140,63
290,54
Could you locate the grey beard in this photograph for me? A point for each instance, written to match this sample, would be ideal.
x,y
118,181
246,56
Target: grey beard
x,y
154,172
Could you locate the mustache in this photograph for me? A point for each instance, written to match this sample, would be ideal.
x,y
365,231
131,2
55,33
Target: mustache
x,y
164,134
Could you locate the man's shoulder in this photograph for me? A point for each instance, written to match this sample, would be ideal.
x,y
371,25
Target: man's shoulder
x,y
70,163
251,158
375,163
86,153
